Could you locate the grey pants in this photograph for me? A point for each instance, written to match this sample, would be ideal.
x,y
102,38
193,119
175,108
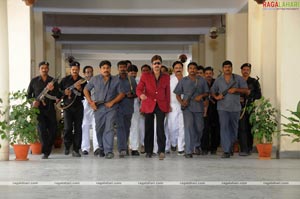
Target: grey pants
x,y
229,123
193,129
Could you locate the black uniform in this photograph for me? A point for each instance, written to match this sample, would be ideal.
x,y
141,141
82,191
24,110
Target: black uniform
x,y
47,125
245,136
73,115
211,134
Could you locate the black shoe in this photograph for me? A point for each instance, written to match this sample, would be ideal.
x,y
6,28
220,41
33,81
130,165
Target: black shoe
x,y
225,155
109,155
76,154
97,152
173,148
122,154
135,153
213,152
45,156
243,154
204,152
167,152
101,153
85,152
231,153
188,156
67,151
180,153
148,155
197,151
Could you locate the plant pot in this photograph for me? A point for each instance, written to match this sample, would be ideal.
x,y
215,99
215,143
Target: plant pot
x,y
21,151
58,142
36,148
264,151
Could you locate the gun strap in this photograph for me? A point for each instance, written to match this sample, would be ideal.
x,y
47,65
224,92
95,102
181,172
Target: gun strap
x,y
130,83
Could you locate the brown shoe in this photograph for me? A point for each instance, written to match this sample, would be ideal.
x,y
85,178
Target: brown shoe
x,y
161,156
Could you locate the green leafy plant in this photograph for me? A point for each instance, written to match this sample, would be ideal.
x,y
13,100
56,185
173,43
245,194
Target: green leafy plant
x,y
293,125
263,120
19,122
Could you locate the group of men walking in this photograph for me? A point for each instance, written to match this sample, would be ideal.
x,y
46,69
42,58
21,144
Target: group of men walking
x,y
158,112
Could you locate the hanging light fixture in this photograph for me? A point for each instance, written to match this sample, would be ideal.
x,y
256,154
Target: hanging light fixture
x,y
260,1
29,2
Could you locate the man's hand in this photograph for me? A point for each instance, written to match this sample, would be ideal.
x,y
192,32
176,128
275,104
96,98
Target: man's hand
x,y
130,95
93,105
109,104
219,97
36,104
77,85
232,90
143,97
68,92
50,86
184,103
198,98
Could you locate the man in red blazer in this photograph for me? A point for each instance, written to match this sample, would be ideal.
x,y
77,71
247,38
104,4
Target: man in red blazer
x,y
154,92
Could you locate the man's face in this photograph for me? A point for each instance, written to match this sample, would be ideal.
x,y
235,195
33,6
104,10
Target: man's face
x,y
208,75
122,69
145,70
74,70
88,73
156,65
227,69
105,70
192,70
132,74
44,69
178,69
246,71
200,73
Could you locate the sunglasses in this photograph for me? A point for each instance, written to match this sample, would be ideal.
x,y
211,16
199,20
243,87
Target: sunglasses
x,y
156,63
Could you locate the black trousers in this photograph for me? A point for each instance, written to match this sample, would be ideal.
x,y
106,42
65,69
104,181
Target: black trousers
x,y
210,140
245,136
160,131
72,127
47,127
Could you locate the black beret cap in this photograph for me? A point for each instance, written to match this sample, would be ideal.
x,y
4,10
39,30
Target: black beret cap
x,y
74,63
43,63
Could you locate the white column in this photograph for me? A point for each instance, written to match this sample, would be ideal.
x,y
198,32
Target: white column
x,y
288,70
4,68
19,37
38,41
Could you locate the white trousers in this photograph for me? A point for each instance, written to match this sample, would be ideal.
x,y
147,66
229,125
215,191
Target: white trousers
x,y
137,128
176,128
88,122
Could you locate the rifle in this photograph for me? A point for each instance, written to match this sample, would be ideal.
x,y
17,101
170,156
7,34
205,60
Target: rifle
x,y
229,87
68,101
44,93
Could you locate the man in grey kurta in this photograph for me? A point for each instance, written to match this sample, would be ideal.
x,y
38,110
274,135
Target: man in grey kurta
x,y
190,92
227,89
125,109
107,93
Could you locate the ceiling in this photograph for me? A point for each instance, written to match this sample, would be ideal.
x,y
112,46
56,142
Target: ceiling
x,y
133,27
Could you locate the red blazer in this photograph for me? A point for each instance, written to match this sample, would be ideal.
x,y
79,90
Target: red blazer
x,y
156,93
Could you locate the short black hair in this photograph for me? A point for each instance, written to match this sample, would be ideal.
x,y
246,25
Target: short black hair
x,y
177,62
122,63
147,66
165,67
200,67
246,65
227,62
209,68
44,63
132,68
194,64
86,67
105,62
128,62
156,57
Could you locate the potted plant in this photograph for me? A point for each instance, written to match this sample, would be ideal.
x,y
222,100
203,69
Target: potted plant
x,y
20,125
264,125
293,125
